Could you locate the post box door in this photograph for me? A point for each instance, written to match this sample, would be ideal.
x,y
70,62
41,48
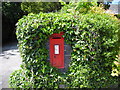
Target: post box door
x,y
57,51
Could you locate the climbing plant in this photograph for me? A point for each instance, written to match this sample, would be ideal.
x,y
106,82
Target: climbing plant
x,y
94,42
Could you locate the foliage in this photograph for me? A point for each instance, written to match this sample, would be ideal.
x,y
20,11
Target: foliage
x,y
94,41
118,16
21,79
25,78
106,4
93,38
12,10
82,6
37,7
97,46
116,67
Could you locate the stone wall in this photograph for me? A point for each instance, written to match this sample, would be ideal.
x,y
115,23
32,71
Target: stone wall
x,y
67,56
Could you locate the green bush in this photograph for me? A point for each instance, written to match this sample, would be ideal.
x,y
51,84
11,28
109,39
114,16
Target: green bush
x,y
37,7
20,78
118,16
80,6
93,39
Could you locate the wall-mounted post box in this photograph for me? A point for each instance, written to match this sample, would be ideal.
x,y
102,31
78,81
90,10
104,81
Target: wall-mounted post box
x,y
57,50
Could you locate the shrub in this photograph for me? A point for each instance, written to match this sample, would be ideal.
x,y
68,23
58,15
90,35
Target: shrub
x,y
21,79
80,6
118,16
37,7
93,39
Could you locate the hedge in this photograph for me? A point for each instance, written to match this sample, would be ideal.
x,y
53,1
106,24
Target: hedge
x,y
94,42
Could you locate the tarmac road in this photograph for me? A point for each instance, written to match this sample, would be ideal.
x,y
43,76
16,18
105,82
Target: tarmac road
x,y
10,61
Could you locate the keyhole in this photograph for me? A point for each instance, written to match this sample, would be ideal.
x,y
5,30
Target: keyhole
x,y
54,56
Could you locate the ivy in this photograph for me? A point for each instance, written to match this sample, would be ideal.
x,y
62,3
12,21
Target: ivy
x,y
94,42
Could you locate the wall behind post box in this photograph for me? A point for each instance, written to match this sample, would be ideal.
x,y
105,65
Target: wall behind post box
x,y
67,56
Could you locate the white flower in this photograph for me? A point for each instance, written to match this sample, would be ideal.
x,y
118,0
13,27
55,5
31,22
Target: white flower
x,y
114,72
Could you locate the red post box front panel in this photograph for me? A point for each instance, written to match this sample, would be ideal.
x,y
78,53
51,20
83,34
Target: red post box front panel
x,y
57,50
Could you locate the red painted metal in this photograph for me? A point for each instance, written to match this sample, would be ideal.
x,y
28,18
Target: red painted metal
x,y
57,57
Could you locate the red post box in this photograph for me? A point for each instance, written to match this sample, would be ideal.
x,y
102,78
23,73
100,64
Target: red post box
x,y
57,50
